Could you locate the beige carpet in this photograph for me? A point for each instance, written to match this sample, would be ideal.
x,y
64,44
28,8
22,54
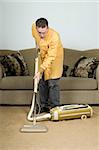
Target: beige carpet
x,y
64,135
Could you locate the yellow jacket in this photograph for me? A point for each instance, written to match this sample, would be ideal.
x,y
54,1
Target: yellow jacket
x,y
51,53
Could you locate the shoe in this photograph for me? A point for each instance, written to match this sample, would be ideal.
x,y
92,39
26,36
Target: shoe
x,y
45,109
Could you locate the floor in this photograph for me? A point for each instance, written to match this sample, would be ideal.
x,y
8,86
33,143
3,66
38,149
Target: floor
x,y
74,134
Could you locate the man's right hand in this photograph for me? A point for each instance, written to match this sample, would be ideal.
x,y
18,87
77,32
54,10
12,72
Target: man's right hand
x,y
37,76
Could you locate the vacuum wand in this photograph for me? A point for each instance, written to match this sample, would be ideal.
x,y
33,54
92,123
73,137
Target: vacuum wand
x,y
32,113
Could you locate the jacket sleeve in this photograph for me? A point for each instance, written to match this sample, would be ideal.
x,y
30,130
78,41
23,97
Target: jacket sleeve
x,y
33,30
35,33
52,52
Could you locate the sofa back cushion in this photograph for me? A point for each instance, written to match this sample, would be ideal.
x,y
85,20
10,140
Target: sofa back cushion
x,y
7,52
71,56
29,57
91,53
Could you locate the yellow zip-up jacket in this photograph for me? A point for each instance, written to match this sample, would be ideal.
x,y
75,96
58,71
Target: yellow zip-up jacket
x,y
51,53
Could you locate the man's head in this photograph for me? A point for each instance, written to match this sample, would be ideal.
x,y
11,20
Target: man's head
x,y
42,27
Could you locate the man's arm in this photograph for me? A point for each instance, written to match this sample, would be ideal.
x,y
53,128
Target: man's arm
x,y
35,33
52,52
50,57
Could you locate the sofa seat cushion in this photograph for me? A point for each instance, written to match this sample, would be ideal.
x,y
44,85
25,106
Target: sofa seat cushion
x,y
16,82
77,83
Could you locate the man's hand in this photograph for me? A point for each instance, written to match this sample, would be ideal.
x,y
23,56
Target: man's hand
x,y
37,76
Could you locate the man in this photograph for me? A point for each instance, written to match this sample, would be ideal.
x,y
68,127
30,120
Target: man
x,y
51,67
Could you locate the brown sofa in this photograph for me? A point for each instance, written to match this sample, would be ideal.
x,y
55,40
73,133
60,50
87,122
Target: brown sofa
x,y
18,90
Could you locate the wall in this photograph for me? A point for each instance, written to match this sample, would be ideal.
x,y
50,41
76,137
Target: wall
x,y
1,23
77,23
98,23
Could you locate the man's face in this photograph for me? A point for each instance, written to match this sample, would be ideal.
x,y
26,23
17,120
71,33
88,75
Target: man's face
x,y
42,31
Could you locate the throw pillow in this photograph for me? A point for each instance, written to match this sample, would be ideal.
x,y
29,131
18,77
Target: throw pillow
x,y
1,72
13,65
23,65
65,68
84,67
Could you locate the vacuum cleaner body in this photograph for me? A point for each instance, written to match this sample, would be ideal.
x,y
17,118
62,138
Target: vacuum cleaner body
x,y
71,112
65,112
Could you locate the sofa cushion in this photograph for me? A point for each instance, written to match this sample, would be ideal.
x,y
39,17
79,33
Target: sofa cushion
x,y
84,67
1,72
13,65
65,69
21,61
29,57
16,82
77,83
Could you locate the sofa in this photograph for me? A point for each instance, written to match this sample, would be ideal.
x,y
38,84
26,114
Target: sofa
x,y
18,89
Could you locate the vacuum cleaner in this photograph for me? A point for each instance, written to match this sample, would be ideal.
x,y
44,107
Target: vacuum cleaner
x,y
65,112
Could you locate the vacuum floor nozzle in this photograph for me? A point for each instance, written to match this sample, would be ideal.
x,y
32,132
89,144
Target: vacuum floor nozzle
x,y
34,128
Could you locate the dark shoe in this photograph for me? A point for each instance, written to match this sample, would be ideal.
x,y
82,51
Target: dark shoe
x,y
45,109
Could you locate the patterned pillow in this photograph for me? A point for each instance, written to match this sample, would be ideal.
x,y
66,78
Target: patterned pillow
x,y
65,68
13,65
23,65
84,67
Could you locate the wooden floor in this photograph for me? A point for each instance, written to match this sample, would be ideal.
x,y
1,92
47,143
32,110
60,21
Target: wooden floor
x,y
63,135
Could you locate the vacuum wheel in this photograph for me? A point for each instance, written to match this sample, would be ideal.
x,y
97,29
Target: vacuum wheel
x,y
83,117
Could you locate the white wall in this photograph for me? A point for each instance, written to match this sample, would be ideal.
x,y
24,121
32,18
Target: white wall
x,y
1,23
98,24
76,22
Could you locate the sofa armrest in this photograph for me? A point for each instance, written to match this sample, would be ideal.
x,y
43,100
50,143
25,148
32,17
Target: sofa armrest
x,y
1,72
97,75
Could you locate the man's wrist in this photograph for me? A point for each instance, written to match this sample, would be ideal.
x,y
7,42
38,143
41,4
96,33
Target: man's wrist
x,y
41,70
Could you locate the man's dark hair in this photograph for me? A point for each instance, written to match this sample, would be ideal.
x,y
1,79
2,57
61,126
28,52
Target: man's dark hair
x,y
41,22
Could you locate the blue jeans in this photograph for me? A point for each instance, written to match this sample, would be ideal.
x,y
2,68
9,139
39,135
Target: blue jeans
x,y
49,93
